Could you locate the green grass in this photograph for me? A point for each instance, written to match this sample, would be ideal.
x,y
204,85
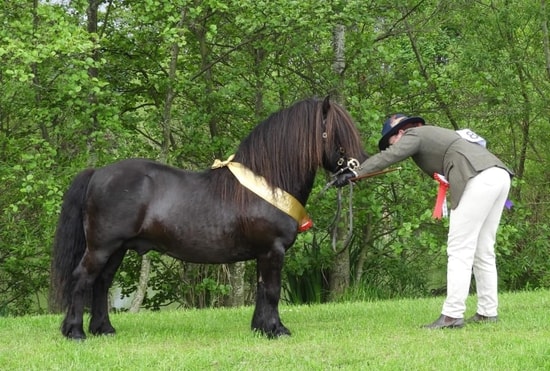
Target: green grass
x,y
383,335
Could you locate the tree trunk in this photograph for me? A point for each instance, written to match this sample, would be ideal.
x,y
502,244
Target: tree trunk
x,y
339,276
236,280
142,284
91,27
163,157
545,37
91,14
366,236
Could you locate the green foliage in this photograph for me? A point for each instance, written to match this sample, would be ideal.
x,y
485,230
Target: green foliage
x,y
403,248
307,264
522,250
31,196
71,99
174,283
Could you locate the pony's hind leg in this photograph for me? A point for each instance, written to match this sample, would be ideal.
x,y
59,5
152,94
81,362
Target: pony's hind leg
x,y
99,322
266,313
84,275
72,326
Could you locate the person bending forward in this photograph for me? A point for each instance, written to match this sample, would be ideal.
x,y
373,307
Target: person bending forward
x,y
478,183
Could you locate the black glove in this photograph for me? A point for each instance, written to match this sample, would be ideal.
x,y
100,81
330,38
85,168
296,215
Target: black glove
x,y
344,178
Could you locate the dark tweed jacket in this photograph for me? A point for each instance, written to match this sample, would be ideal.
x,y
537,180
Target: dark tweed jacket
x,y
437,150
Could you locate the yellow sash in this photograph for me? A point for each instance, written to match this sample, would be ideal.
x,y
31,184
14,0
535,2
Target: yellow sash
x,y
279,198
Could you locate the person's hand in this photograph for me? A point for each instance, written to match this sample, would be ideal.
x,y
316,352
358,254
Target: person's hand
x,y
344,178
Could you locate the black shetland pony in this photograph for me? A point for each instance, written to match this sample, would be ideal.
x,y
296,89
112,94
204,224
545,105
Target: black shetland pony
x,y
200,217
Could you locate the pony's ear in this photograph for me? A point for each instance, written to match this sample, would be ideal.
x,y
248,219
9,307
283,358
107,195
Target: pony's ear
x,y
326,106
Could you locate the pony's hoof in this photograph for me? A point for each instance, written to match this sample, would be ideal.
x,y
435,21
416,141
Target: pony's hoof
x,y
278,336
108,333
105,331
76,336
274,333
73,333
284,332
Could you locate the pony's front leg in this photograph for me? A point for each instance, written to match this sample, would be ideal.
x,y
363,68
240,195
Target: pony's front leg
x,y
266,314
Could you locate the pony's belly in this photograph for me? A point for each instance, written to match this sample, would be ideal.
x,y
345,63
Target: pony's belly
x,y
208,257
194,251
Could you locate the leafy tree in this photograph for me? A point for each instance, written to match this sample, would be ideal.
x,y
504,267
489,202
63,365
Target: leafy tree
x,y
40,95
84,83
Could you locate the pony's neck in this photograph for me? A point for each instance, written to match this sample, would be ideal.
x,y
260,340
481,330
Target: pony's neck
x,y
302,191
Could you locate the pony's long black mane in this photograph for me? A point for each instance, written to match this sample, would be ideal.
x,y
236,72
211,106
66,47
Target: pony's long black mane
x,y
289,146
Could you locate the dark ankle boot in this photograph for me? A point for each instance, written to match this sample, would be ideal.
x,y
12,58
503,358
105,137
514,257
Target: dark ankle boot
x,y
479,318
446,322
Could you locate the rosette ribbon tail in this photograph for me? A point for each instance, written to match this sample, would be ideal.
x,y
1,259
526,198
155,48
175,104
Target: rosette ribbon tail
x,y
440,209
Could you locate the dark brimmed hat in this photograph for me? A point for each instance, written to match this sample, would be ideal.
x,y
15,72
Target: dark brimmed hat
x,y
392,126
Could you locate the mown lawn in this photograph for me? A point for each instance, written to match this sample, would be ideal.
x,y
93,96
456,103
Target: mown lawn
x,y
384,335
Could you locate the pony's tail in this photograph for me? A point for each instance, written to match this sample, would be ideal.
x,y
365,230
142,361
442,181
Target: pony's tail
x,y
69,242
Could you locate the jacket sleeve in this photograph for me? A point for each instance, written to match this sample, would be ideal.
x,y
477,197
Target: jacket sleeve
x,y
407,146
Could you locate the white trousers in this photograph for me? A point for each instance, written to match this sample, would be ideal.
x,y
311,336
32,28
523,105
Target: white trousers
x,y
470,244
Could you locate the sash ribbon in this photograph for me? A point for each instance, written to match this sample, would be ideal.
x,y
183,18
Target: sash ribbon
x,y
279,198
